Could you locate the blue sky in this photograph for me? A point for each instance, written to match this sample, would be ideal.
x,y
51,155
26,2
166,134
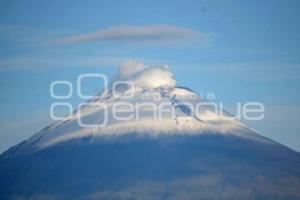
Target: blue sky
x,y
244,51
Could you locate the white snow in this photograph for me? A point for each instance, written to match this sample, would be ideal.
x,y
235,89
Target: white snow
x,y
144,113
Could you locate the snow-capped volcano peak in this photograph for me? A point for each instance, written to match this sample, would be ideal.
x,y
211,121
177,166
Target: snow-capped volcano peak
x,y
146,101
145,132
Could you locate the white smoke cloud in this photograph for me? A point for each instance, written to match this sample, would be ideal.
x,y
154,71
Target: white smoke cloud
x,y
142,75
130,67
155,77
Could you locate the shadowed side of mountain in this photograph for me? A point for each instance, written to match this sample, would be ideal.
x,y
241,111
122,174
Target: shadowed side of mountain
x,y
165,167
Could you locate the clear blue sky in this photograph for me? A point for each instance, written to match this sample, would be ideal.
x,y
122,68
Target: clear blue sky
x,y
250,52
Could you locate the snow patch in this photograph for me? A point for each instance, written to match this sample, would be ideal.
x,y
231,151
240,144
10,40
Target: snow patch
x,y
151,82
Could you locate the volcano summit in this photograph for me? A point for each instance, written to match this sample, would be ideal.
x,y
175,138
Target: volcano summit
x,y
144,137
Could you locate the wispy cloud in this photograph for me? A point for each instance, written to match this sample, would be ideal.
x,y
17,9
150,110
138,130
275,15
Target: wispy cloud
x,y
50,62
263,72
26,36
156,34
46,62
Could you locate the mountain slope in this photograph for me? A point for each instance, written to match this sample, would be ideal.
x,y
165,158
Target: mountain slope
x,y
167,167
160,144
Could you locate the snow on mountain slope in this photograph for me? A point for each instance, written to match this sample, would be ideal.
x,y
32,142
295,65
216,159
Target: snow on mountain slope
x,y
146,101
156,141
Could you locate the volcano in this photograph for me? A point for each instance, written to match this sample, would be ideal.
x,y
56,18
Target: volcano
x,y
147,138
